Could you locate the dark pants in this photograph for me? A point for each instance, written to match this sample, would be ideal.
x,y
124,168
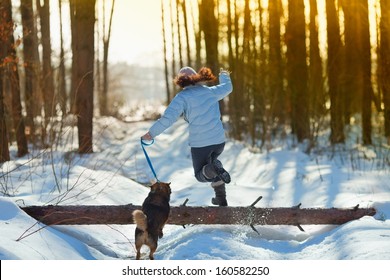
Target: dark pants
x,y
205,155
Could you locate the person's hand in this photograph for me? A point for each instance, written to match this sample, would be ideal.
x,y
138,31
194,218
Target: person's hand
x,y
147,137
224,71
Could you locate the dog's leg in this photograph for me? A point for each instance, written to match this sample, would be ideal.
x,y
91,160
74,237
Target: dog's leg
x,y
138,248
138,243
152,246
152,250
160,230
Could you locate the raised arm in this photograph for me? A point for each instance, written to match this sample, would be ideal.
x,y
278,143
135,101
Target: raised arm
x,y
225,86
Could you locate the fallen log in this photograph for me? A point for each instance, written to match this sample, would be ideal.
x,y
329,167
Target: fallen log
x,y
185,215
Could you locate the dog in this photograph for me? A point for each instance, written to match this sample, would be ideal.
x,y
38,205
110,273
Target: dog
x,y
151,219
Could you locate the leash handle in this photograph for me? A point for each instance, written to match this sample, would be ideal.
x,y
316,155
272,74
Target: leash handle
x,y
143,144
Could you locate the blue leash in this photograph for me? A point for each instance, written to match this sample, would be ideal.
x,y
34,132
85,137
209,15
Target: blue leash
x,y
143,144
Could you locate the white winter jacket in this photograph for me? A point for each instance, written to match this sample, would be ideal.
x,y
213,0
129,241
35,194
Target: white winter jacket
x,y
200,107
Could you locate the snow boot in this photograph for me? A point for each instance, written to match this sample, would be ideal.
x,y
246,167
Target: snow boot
x,y
221,172
220,194
215,169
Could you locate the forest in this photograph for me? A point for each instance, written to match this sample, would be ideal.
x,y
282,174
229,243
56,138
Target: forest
x,y
299,67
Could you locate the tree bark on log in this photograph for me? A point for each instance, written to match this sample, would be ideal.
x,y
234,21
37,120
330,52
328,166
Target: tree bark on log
x,y
185,215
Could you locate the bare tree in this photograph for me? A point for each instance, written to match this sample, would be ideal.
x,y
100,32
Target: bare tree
x,y
185,18
247,70
209,28
278,95
12,73
352,76
316,80
197,38
4,149
233,98
333,70
173,45
62,96
236,107
103,103
178,27
167,84
47,70
261,92
6,28
384,62
84,22
31,65
367,95
297,70
73,83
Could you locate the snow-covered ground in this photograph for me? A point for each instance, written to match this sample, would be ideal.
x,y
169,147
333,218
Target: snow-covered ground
x,y
114,173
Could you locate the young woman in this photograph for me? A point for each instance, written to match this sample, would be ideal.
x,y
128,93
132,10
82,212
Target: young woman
x,y
199,104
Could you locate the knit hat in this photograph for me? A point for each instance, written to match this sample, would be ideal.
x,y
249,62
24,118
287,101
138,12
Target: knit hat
x,y
187,71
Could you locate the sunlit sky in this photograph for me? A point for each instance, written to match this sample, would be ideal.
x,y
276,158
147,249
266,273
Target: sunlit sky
x,y
136,33
136,30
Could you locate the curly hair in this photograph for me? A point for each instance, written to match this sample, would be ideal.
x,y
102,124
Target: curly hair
x,y
204,75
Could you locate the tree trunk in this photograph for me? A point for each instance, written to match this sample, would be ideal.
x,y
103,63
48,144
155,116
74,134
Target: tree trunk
x,y
17,115
316,81
367,95
233,98
209,27
178,28
384,62
183,215
188,46
278,99
166,72
257,78
297,70
352,81
13,74
261,96
47,70
84,52
73,83
173,46
103,102
236,99
198,37
333,69
31,65
253,74
61,71
4,148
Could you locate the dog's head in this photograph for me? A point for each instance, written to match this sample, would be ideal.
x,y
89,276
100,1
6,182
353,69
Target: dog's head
x,y
161,188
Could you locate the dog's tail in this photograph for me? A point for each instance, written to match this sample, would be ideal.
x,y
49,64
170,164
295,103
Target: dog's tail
x,y
140,219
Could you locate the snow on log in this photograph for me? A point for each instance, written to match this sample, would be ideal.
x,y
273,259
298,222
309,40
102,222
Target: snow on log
x,y
186,215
